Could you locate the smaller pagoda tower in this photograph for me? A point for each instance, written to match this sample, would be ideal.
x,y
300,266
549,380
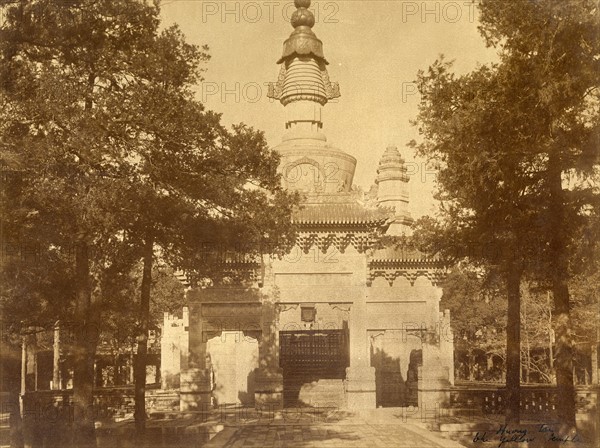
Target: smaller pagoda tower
x,y
392,190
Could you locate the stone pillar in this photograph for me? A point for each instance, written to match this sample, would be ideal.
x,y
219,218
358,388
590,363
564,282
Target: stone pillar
x,y
433,377
447,344
268,386
173,349
196,380
34,359
165,349
184,350
130,364
360,376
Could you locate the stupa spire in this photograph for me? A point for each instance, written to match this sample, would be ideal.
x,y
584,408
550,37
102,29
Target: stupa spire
x,y
303,86
308,163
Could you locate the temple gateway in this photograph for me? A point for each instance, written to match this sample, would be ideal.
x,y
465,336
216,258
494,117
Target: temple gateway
x,y
339,321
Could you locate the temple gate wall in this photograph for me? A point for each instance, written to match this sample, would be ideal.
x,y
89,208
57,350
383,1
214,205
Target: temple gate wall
x,y
389,317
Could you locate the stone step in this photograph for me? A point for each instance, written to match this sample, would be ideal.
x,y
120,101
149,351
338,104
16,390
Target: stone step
x,y
323,393
319,393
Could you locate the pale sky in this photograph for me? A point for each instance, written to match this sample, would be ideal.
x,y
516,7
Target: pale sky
x,y
374,49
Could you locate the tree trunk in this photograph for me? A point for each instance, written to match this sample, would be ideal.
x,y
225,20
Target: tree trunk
x,y
471,366
594,356
86,335
23,372
84,352
527,346
562,307
550,341
35,351
142,339
56,358
513,345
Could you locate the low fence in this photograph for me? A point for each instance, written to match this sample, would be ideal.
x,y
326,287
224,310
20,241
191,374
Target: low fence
x,y
48,419
491,398
110,404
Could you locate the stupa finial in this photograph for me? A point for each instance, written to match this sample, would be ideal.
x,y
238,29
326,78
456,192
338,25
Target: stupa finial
x,y
302,16
302,41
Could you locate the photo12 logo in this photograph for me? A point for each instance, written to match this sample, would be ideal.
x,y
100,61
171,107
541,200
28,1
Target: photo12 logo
x,y
252,92
248,92
438,11
253,12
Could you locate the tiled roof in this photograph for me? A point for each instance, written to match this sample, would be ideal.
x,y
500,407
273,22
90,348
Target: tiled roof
x,y
349,213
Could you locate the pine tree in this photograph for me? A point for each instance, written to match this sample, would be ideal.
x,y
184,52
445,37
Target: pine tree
x,y
517,143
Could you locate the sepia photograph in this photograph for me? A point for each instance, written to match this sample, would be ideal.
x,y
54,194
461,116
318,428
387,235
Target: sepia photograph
x,y
299,223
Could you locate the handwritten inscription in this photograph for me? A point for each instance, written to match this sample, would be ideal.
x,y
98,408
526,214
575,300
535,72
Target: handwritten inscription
x,y
506,434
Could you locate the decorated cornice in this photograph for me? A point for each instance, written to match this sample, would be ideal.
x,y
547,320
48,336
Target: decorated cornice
x,y
323,240
393,262
340,221
433,274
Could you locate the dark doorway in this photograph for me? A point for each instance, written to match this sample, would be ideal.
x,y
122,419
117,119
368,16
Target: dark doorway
x,y
389,382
